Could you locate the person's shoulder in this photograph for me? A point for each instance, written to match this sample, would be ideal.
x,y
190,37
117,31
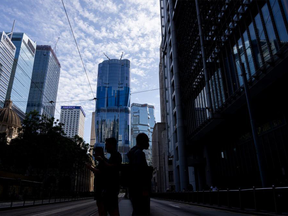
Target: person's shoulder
x,y
116,157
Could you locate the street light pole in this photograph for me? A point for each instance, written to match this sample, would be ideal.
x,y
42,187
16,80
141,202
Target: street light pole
x,y
258,147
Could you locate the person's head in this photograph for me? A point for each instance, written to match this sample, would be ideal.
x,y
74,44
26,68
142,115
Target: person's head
x,y
111,144
142,141
98,151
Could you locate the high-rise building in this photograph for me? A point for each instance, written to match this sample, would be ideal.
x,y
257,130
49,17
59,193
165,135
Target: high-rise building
x,y
73,118
45,80
206,46
161,162
92,134
7,53
92,142
142,121
112,118
20,79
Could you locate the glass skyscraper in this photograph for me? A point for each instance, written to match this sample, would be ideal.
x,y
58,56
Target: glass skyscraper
x,y
20,80
112,117
45,80
143,121
7,53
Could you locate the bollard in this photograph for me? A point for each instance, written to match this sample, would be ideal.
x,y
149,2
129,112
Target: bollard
x,y
240,199
228,198
12,195
203,197
210,197
218,197
24,197
275,199
255,202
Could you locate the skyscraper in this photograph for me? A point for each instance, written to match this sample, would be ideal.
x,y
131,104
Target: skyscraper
x,y
142,121
73,118
45,80
112,117
20,80
7,53
206,48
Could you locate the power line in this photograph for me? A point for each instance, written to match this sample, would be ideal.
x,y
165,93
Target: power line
x,y
77,47
87,100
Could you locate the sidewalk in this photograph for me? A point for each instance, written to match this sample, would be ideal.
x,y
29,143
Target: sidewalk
x,y
125,207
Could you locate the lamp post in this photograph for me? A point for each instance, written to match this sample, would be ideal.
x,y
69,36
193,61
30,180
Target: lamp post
x,y
258,147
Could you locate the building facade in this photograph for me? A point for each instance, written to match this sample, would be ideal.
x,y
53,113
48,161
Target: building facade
x,y
142,121
45,80
20,79
162,163
206,46
112,118
7,53
73,118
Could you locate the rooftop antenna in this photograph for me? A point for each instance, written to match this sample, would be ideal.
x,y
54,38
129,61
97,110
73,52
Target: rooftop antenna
x,y
106,56
56,44
11,33
121,56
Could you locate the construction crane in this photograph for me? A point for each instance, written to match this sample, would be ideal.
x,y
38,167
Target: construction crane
x,y
121,56
106,56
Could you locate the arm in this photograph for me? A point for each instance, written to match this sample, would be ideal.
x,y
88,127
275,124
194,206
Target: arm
x,y
93,169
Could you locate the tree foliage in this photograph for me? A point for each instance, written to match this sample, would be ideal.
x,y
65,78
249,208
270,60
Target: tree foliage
x,y
42,149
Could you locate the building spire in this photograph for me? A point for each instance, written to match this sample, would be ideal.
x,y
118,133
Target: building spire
x,y
11,33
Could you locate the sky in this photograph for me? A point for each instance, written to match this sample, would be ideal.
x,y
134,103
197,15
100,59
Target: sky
x,y
100,26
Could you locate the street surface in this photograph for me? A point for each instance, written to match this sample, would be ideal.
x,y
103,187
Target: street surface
x,y
88,208
168,208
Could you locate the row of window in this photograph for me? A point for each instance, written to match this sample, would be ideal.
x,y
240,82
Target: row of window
x,y
264,36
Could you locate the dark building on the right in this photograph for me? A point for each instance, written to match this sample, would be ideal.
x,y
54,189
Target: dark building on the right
x,y
225,129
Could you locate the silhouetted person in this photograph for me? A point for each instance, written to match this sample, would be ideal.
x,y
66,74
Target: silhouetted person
x,y
111,172
140,176
99,179
109,175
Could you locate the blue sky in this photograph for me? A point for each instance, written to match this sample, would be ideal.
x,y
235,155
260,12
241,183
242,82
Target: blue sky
x,y
100,26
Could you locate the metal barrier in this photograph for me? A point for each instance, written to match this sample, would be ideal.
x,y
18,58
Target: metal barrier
x,y
271,199
18,193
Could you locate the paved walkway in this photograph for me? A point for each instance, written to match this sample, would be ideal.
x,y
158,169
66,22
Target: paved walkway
x,y
125,207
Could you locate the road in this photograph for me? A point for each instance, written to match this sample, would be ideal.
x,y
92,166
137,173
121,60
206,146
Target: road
x,y
88,208
168,208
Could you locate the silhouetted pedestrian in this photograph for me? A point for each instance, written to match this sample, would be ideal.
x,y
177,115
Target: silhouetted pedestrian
x,y
109,175
99,179
141,174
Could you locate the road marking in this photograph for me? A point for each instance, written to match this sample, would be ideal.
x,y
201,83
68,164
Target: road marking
x,y
174,206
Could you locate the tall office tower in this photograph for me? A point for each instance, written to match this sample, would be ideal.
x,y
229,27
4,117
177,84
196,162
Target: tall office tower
x,y
112,117
45,80
7,53
20,80
142,121
92,134
92,142
206,46
73,118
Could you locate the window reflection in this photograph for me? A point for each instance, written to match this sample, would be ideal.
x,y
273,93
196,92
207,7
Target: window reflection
x,y
263,42
271,34
249,53
237,62
282,32
285,7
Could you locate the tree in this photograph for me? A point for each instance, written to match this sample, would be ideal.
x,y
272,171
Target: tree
x,y
42,149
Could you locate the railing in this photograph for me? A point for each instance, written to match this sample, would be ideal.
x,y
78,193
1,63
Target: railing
x,y
272,199
19,193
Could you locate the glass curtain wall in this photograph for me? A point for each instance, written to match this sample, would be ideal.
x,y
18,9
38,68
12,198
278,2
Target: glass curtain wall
x,y
255,41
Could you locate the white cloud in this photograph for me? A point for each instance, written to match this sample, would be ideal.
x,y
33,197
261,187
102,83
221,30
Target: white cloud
x,y
102,26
